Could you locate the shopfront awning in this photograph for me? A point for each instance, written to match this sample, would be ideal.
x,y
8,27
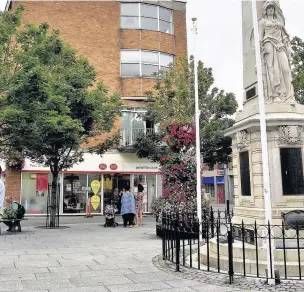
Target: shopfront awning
x,y
208,180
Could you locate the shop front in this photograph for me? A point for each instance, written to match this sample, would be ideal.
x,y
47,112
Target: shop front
x,y
98,178
215,187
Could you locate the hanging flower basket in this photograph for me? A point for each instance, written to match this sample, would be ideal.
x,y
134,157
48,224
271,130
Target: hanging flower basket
x,y
15,163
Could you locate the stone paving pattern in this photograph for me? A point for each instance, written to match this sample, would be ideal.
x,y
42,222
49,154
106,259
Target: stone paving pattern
x,y
90,258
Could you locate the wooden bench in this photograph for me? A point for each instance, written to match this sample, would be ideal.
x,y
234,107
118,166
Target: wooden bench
x,y
16,224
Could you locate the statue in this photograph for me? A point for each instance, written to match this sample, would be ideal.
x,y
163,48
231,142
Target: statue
x,y
276,55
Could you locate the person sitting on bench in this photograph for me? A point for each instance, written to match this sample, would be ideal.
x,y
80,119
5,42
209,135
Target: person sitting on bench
x,y
9,213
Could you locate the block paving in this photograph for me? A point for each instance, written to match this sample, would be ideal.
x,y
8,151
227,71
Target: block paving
x,y
90,258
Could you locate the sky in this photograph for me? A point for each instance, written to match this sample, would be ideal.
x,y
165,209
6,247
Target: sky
x,y
219,39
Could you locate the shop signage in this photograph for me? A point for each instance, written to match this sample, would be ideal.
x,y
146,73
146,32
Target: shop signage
x,y
86,189
95,200
95,185
113,166
102,166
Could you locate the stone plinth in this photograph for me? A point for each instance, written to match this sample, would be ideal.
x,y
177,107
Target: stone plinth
x,y
250,259
285,124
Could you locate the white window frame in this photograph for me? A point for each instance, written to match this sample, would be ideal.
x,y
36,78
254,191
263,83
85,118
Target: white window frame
x,y
158,16
145,63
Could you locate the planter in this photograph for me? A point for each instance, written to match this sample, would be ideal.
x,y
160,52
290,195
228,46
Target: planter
x,y
170,234
159,232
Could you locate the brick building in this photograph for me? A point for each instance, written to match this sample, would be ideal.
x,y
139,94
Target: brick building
x,y
126,42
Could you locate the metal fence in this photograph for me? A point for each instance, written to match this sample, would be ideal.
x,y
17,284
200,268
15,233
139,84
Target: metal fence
x,y
218,245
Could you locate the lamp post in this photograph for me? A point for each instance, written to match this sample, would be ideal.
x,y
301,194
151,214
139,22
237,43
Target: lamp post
x,y
197,129
264,143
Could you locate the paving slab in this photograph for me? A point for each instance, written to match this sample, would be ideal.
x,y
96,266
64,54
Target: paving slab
x,y
183,283
79,268
100,281
36,264
13,276
183,289
18,271
151,277
138,287
11,286
46,284
81,289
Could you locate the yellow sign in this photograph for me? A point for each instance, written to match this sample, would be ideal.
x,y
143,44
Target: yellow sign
x,y
95,201
95,185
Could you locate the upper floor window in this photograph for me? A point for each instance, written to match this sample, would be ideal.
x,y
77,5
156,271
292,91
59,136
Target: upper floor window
x,y
137,63
145,16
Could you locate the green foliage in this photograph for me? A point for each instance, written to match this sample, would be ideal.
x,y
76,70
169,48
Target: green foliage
x,y
174,103
50,102
298,68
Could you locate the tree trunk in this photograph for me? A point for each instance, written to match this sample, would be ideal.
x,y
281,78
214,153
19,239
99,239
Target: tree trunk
x,y
54,200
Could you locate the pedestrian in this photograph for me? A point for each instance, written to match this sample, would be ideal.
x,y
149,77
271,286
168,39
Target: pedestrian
x,y
139,204
9,212
128,208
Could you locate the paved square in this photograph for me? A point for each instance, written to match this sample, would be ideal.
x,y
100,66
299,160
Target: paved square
x,y
89,258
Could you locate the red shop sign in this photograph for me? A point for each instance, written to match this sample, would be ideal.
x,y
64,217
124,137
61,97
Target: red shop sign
x,y
102,166
113,166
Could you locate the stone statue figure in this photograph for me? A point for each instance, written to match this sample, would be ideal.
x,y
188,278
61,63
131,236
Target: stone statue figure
x,y
276,55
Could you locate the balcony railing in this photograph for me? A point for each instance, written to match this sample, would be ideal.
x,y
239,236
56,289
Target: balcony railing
x,y
128,137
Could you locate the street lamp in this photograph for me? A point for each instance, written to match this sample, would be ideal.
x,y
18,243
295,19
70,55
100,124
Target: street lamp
x,y
197,130
264,143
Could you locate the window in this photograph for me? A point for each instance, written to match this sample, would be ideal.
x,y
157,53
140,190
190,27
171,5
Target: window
x,y
145,16
245,173
250,93
136,63
129,15
292,171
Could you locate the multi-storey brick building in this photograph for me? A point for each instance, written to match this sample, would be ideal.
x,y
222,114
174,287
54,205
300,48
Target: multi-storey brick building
x,y
126,42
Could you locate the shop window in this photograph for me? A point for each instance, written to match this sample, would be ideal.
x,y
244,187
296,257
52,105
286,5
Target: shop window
x,y
35,192
136,63
151,17
75,193
292,171
245,173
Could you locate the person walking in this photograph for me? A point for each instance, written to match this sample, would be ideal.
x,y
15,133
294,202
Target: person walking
x,y
128,208
139,204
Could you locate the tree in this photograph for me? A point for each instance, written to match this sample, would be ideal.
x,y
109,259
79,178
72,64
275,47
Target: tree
x,y
297,46
173,102
52,104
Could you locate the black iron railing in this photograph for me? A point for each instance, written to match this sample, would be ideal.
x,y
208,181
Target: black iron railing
x,y
217,245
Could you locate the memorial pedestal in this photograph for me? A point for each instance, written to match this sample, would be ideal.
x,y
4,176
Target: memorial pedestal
x,y
285,124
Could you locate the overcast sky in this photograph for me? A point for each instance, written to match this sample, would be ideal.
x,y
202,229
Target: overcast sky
x,y
219,40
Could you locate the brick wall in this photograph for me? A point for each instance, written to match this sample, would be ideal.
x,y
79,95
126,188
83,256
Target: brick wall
x,y
92,28
13,184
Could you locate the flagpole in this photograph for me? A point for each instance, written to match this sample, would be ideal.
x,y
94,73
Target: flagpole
x,y
197,130
264,142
